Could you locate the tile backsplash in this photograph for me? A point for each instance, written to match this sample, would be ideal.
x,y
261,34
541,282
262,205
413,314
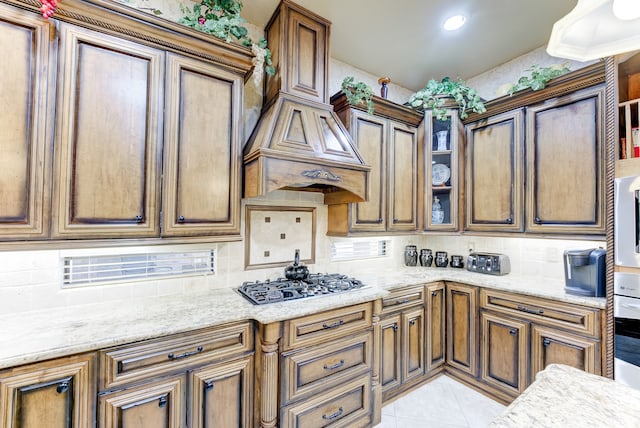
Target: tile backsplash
x,y
32,280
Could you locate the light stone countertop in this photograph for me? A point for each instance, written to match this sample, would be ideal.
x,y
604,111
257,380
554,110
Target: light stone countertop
x,y
40,335
565,397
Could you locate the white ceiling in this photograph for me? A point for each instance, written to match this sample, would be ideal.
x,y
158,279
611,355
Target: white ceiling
x,y
403,39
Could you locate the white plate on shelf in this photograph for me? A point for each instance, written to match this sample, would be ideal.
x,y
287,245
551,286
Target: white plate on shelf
x,y
440,173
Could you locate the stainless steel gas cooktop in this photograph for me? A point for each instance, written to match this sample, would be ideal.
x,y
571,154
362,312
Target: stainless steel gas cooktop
x,y
282,289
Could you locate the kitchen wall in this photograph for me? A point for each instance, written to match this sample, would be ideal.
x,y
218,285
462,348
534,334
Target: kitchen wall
x,y
31,280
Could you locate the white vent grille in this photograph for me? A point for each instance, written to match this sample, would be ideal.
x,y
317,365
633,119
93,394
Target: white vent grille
x,y
358,249
88,270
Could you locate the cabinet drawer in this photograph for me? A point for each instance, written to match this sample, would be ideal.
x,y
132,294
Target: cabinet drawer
x,y
312,370
348,405
570,317
326,326
402,298
150,358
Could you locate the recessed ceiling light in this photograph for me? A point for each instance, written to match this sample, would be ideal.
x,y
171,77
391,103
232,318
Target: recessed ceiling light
x,y
454,22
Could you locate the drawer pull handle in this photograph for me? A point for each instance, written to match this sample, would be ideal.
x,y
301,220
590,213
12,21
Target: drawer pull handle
x,y
208,386
173,357
334,325
62,387
401,301
546,341
334,366
333,415
162,402
530,311
512,332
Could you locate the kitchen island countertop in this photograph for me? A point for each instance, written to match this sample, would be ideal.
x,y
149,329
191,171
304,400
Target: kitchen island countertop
x,y
565,397
40,335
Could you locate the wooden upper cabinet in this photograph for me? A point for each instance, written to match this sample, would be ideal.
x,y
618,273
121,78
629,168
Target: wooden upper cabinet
x,y
403,169
495,173
440,169
107,136
302,38
369,133
565,164
388,142
201,194
24,85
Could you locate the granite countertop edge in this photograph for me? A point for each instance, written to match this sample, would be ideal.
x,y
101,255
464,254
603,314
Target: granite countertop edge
x,y
66,331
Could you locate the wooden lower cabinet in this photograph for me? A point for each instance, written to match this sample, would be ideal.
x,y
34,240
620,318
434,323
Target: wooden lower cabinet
x,y
53,394
553,346
504,352
348,405
203,378
402,345
462,327
391,353
435,326
326,370
221,395
154,404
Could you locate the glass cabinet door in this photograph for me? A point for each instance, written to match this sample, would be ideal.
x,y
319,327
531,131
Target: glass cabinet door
x,y
441,171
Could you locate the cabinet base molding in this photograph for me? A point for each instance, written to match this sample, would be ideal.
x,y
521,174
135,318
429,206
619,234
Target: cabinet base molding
x,y
410,386
476,385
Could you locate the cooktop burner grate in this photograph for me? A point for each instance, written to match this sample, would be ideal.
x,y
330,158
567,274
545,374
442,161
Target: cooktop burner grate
x,y
283,289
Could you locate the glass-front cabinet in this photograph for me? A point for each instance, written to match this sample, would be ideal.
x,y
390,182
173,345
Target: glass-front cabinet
x,y
441,171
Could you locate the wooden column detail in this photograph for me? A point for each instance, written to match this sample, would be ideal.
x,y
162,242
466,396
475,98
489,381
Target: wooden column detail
x,y
376,385
269,337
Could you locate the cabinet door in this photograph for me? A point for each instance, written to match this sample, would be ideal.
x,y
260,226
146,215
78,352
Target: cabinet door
x,y
403,167
107,130
391,358
56,394
435,327
154,404
370,135
504,352
222,395
201,193
565,164
462,327
413,344
494,173
441,171
551,346
24,49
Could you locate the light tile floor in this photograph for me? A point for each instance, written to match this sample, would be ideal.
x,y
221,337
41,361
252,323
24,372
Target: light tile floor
x,y
442,403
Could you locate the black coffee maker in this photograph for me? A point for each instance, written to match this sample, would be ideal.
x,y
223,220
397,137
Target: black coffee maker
x,y
584,272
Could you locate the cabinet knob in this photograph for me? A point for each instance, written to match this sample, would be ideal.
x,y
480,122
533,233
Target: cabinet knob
x,y
509,220
138,219
412,322
512,332
379,221
62,387
395,327
208,386
395,220
546,342
181,219
434,293
162,402
537,220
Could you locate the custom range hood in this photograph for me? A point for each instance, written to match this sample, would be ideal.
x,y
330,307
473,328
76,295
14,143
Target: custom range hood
x,y
299,142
